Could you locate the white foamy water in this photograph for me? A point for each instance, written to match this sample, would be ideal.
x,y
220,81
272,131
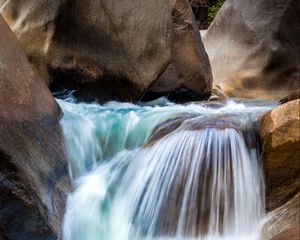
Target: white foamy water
x,y
190,184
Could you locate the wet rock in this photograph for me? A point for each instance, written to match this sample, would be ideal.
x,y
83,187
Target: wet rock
x,y
100,48
280,134
191,123
284,221
254,48
32,156
188,76
290,234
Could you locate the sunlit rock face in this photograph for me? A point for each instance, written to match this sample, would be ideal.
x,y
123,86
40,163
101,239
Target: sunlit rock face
x,y
33,167
253,48
188,76
280,133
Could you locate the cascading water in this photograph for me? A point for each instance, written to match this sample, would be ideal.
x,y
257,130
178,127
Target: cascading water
x,y
200,180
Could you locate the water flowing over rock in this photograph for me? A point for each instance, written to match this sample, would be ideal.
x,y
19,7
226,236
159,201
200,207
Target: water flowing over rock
x,y
280,133
254,48
197,178
33,167
188,76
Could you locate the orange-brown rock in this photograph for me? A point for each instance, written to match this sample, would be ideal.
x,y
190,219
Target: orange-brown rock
x,y
33,168
280,134
290,234
283,222
254,48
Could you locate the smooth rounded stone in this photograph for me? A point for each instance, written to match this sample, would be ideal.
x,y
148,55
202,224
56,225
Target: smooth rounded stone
x,y
105,49
32,154
283,222
280,134
188,76
254,48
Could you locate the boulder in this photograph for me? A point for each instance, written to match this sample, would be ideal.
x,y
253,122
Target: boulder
x,y
188,76
33,168
254,48
105,49
280,134
283,222
108,50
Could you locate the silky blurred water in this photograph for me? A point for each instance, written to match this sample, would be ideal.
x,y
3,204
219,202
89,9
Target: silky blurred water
x,y
190,184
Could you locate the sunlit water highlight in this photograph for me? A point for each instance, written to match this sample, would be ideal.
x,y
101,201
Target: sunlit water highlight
x,y
190,184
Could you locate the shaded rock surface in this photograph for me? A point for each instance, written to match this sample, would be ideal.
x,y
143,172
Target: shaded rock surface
x,y
293,96
188,76
102,48
33,171
108,50
254,48
280,134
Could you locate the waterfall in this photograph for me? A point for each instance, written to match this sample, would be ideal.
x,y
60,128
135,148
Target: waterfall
x,y
201,180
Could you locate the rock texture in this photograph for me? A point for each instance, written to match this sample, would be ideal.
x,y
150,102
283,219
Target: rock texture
x,y
280,133
293,96
112,50
290,234
283,222
104,48
254,48
188,76
33,167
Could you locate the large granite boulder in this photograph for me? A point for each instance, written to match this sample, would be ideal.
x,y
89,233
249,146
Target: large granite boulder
x,y
188,76
283,223
33,168
280,133
110,49
254,48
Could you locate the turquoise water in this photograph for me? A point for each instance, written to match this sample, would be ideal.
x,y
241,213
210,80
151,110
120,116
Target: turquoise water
x,y
190,184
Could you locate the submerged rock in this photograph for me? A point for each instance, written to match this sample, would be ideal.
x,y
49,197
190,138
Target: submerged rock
x,y
188,76
280,133
254,48
33,167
